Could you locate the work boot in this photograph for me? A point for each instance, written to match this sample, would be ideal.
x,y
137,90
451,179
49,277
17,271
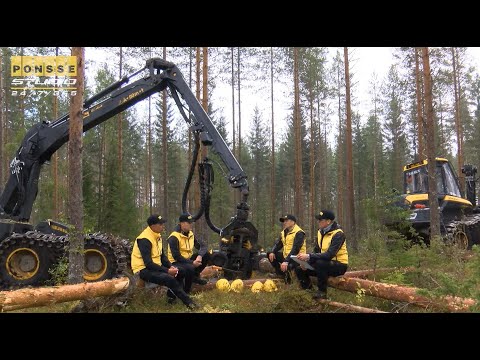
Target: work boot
x,y
200,281
320,295
192,306
288,278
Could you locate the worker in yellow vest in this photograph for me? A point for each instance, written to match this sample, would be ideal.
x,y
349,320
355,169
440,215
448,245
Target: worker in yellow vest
x,y
291,242
149,261
329,257
181,244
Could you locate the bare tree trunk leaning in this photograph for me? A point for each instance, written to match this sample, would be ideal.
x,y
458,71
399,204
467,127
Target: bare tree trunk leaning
x,y
76,262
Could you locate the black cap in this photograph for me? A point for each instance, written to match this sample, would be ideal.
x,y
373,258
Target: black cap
x,y
155,219
325,214
288,217
185,218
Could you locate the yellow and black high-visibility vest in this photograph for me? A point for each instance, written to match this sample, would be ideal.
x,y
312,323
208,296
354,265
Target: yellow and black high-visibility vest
x,y
288,241
185,245
156,240
324,243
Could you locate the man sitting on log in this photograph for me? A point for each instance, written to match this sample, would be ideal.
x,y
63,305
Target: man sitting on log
x,y
152,265
329,257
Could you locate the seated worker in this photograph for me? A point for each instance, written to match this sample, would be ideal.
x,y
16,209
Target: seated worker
x,y
149,261
180,252
292,241
329,257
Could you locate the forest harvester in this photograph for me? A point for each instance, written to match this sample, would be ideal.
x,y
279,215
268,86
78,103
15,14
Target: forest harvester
x,y
27,252
459,215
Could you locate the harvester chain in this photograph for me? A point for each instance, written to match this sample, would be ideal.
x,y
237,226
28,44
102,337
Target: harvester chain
x,y
113,242
469,225
55,244
58,246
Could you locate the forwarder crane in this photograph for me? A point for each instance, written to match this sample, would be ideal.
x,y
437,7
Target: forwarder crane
x,y
27,253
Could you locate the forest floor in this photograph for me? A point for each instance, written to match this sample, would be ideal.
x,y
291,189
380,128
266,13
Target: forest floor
x,y
437,271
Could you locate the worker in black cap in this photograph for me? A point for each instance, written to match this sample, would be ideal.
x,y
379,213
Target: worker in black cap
x,y
180,252
292,242
149,261
329,257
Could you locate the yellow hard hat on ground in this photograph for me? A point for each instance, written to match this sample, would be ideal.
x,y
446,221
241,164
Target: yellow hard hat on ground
x,y
269,286
236,285
257,287
223,285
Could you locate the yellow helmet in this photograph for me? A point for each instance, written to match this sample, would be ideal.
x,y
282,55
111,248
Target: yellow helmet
x,y
236,285
269,286
257,287
223,285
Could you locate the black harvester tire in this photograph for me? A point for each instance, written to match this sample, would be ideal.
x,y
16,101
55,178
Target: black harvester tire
x,y
33,252
111,256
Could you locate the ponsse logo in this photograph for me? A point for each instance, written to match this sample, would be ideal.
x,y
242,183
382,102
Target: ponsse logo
x,y
44,66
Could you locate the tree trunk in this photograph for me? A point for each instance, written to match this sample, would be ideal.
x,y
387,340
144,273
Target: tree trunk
x,y
239,156
418,92
75,271
120,127
432,164
339,155
197,94
458,121
399,293
203,224
272,169
350,213
27,298
165,147
55,157
149,155
312,169
190,144
375,147
236,195
298,179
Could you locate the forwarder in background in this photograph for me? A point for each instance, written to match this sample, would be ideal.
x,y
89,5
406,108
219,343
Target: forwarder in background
x,y
459,215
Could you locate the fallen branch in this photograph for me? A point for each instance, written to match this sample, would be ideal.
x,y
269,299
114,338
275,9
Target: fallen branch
x,y
399,293
353,308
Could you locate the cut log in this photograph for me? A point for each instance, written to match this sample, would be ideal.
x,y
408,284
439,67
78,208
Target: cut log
x,y
399,293
349,307
26,298
365,273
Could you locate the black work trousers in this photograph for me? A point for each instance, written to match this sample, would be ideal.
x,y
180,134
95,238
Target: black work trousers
x,y
174,283
323,269
279,259
192,272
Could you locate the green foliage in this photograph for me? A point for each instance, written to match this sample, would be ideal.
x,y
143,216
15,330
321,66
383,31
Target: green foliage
x,y
59,272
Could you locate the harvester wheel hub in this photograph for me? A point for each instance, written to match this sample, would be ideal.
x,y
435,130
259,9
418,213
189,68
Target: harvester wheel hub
x,y
95,265
23,263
